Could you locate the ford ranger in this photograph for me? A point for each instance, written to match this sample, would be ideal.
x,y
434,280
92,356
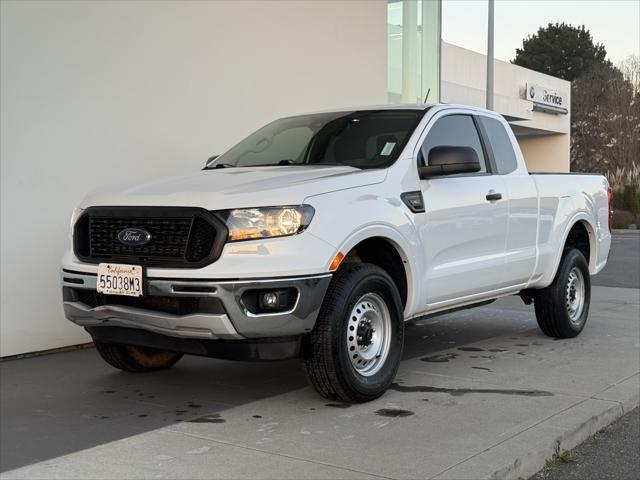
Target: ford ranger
x,y
319,235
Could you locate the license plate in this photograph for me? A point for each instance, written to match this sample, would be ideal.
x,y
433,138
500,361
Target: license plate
x,y
119,279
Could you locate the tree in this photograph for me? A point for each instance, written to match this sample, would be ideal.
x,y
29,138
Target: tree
x,y
560,50
605,119
605,100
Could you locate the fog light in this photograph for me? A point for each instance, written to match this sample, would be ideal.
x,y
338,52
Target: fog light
x,y
270,300
259,301
273,300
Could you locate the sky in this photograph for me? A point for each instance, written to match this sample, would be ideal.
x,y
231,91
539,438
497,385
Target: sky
x,y
614,23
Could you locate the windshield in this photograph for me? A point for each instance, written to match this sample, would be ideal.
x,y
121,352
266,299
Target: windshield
x,y
361,139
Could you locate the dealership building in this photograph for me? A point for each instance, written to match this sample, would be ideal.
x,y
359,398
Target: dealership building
x,y
101,93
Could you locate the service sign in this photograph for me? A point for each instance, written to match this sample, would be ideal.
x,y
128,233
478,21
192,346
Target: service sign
x,y
547,99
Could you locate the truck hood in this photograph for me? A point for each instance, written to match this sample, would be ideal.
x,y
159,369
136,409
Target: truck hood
x,y
238,187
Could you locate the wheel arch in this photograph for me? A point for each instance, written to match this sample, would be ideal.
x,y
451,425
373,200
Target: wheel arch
x,y
386,248
580,234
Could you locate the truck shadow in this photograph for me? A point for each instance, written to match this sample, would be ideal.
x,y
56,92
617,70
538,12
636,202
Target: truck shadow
x,y
61,403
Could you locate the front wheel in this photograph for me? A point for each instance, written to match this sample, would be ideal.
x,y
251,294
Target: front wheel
x,y
355,349
136,359
562,307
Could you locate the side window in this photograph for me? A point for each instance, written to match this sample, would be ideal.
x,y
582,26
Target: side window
x,y
454,131
501,146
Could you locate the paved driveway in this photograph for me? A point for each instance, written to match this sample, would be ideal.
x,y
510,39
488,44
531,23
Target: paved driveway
x,y
471,383
57,404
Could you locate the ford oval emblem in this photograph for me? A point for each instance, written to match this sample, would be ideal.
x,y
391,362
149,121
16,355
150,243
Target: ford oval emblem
x,y
134,237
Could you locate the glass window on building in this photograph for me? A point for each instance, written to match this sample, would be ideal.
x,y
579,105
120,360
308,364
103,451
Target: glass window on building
x,y
413,32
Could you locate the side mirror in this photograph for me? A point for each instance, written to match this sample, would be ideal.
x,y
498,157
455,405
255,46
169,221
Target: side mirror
x,y
210,160
446,160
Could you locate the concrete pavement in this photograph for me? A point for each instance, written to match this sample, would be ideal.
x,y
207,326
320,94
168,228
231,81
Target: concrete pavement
x,y
76,396
480,394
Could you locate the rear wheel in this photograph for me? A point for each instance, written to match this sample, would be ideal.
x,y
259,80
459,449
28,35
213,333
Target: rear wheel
x,y
136,359
354,351
562,308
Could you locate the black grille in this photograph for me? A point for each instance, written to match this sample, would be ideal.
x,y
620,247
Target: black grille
x,y
200,240
184,237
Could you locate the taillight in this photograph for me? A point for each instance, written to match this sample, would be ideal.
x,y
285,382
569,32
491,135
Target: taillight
x,y
610,198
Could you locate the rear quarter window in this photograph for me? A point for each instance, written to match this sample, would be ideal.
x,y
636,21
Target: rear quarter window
x,y
500,142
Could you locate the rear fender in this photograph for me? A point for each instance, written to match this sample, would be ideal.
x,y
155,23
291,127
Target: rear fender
x,y
582,218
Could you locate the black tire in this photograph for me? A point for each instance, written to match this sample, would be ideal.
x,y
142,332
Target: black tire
x,y
327,356
136,359
552,304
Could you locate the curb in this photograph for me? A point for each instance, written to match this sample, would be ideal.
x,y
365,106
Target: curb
x,y
529,466
564,430
39,353
620,231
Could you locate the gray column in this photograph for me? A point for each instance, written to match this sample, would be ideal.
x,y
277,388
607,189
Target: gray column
x,y
490,58
431,41
410,52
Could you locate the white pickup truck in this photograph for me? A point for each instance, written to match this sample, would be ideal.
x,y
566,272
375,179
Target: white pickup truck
x,y
319,235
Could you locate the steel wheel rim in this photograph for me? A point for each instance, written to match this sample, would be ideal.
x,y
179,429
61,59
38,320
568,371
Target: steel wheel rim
x,y
575,296
369,334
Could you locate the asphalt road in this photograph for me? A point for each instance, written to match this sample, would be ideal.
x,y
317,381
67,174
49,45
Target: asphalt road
x,y
623,266
612,453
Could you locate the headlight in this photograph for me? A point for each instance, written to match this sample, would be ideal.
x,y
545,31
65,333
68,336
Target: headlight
x,y
75,215
266,222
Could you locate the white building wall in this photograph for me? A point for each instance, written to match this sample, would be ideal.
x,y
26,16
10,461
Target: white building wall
x,y
546,153
97,93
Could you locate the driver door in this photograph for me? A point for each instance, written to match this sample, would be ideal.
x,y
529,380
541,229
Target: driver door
x,y
465,228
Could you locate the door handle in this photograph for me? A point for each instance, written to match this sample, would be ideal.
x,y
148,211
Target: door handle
x,y
492,196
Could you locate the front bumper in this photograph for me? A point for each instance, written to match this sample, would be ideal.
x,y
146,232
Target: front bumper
x,y
232,322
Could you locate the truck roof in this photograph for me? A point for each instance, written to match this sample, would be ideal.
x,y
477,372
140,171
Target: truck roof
x,y
405,106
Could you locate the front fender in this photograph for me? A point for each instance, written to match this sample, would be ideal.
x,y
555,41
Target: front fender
x,y
348,217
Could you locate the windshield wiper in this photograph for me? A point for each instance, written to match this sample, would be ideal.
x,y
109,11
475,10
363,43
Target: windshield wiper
x,y
220,165
281,163
331,164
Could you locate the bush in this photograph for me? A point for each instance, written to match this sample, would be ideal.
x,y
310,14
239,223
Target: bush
x,y
622,219
618,199
631,199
